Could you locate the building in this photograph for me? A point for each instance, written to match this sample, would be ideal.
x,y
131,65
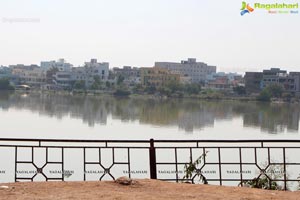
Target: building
x,y
158,77
130,74
279,77
197,71
273,76
296,76
256,81
93,68
32,75
223,81
253,82
61,65
87,74
63,79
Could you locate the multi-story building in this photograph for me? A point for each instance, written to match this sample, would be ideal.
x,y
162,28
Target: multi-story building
x,y
296,76
222,80
274,76
93,68
197,71
280,77
158,77
256,81
32,75
61,65
63,79
86,74
131,74
253,82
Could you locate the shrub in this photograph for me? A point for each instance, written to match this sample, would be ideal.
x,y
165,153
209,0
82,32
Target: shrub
x,y
5,85
121,92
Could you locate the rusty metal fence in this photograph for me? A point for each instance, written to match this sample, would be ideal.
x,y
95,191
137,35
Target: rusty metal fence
x,y
226,161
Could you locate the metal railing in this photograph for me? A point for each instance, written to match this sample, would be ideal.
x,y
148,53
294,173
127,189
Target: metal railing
x,y
243,156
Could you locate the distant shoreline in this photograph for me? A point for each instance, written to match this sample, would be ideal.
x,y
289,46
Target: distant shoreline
x,y
245,98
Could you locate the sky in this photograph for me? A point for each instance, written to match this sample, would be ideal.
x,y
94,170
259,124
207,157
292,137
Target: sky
x,y
140,32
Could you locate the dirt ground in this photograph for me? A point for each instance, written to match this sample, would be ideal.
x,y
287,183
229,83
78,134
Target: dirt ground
x,y
142,189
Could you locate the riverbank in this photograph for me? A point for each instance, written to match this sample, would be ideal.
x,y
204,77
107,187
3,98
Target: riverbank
x,y
142,189
214,97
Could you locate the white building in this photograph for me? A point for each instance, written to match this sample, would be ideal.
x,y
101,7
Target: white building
x,y
93,68
196,71
61,65
32,75
86,74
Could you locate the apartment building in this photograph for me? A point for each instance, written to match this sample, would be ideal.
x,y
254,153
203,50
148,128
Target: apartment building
x,y
158,76
130,74
197,71
60,65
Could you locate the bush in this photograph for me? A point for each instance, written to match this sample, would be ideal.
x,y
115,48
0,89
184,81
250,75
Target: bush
x,y
265,95
193,168
192,88
121,92
240,90
5,85
262,183
270,91
79,85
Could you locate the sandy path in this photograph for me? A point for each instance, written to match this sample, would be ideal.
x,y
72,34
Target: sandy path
x,y
143,189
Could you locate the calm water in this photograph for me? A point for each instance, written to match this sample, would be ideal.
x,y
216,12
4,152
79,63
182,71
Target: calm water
x,y
103,117
90,117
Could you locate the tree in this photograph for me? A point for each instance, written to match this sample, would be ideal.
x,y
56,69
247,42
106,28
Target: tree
x,y
79,85
121,92
120,80
240,90
97,84
50,73
174,86
150,89
107,84
276,90
192,88
5,85
270,91
264,95
164,91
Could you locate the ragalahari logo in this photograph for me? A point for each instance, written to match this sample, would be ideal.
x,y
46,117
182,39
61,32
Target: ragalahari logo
x,y
246,8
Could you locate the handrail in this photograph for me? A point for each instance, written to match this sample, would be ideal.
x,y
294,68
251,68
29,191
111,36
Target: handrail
x,y
147,141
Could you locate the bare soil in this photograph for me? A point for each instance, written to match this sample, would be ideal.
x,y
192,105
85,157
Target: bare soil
x,y
141,189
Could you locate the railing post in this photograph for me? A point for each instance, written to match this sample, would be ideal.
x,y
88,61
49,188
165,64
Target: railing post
x,y
152,157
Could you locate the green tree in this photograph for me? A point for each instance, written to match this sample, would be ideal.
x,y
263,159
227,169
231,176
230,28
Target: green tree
x,y
174,86
121,92
264,95
5,85
165,91
270,91
79,85
240,90
50,73
192,88
97,84
120,80
150,89
276,90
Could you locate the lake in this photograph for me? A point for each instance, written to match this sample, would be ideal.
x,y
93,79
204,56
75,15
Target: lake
x,y
36,115
53,116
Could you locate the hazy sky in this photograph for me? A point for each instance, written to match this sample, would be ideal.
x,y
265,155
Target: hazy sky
x,y
140,32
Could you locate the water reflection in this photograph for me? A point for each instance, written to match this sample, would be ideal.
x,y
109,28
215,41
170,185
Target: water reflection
x,y
187,114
